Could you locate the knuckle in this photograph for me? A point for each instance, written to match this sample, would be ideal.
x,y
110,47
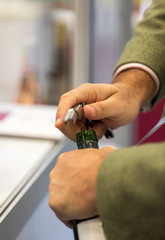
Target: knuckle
x,y
61,160
64,96
85,85
55,205
51,174
61,157
51,203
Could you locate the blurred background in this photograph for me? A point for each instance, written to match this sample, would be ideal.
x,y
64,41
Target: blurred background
x,y
49,47
36,50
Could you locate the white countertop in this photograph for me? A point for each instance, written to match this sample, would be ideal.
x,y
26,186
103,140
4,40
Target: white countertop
x,y
25,165
29,147
19,159
28,143
30,121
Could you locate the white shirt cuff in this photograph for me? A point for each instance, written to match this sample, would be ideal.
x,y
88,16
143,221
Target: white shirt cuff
x,y
126,66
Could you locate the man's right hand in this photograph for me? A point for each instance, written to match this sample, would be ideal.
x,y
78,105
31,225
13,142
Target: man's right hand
x,y
113,105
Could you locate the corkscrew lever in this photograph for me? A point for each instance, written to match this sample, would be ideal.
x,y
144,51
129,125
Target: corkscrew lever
x,y
74,114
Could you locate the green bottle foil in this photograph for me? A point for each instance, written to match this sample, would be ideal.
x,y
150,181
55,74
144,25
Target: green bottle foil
x,y
87,139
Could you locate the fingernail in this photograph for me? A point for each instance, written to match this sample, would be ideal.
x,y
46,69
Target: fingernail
x,y
57,123
92,111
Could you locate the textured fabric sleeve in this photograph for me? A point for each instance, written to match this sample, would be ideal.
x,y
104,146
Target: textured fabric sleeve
x,y
131,193
147,45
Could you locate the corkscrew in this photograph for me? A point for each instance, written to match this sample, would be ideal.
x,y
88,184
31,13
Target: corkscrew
x,y
76,113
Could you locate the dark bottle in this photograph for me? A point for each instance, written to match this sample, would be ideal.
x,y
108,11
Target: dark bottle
x,y
91,228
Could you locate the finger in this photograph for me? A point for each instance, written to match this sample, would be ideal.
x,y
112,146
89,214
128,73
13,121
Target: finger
x,y
100,128
70,129
86,93
70,99
110,107
67,223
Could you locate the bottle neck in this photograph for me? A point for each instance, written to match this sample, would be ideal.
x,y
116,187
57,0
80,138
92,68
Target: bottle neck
x,y
87,139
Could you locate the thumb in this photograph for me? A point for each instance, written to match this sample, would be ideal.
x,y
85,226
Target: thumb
x,y
98,110
108,149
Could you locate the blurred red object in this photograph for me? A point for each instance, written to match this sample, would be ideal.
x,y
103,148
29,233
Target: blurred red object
x,y
146,121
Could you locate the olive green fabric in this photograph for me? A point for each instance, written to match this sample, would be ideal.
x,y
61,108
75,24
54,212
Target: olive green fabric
x,y
131,181
148,43
131,193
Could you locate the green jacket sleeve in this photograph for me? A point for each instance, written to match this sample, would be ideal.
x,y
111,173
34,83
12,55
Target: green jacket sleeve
x,y
131,193
147,45
131,181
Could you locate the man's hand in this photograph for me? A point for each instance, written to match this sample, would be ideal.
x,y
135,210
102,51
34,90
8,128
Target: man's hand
x,y
113,105
73,183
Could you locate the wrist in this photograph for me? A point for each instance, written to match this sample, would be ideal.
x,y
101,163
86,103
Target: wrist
x,y
138,82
